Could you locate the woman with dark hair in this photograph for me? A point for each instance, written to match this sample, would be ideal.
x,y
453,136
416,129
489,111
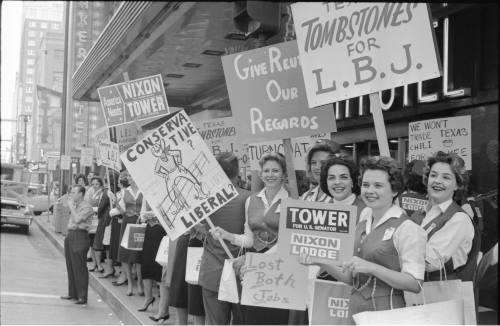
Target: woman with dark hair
x,y
319,153
451,240
100,203
414,197
338,179
389,248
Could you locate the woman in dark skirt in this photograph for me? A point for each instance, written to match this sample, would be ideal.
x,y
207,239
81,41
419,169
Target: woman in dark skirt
x,y
116,223
186,298
100,203
130,207
151,271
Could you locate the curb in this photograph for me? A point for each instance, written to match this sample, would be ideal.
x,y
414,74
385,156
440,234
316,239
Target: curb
x,y
120,309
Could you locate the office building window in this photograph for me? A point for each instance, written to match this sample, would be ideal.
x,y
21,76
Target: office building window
x,y
30,71
54,26
29,80
30,52
28,108
30,62
31,43
43,25
28,99
31,33
32,24
28,89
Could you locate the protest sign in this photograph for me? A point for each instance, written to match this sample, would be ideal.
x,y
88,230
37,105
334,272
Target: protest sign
x,y
87,156
107,154
52,163
126,136
352,49
412,202
65,162
323,230
330,303
267,95
447,134
133,100
271,281
178,175
300,147
220,136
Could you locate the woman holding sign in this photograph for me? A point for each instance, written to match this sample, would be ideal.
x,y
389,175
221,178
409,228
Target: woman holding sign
x,y
338,180
450,231
262,214
130,207
389,248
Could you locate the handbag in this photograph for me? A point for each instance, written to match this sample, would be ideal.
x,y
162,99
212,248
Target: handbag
x,y
445,312
93,223
228,289
193,262
330,303
133,237
106,238
443,290
162,254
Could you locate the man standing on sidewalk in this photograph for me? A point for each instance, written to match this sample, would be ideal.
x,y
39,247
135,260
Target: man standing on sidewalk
x,y
76,245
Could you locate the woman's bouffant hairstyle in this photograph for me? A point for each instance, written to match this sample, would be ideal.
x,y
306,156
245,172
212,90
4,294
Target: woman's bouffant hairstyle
x,y
82,176
457,166
323,145
339,160
229,163
274,156
413,175
387,164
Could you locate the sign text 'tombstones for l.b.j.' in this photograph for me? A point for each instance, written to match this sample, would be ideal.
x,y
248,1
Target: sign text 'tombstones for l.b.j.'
x,y
267,95
133,100
178,175
323,230
352,49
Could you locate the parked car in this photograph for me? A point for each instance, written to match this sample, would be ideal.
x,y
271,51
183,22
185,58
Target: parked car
x,y
15,210
39,199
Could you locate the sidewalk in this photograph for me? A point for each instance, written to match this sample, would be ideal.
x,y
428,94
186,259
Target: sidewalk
x,y
125,307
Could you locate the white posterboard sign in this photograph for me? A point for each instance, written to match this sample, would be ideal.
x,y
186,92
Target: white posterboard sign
x,y
330,303
274,282
52,163
300,147
107,154
178,175
349,49
87,156
65,162
325,231
446,134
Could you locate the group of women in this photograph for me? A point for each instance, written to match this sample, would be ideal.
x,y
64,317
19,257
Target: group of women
x,y
394,251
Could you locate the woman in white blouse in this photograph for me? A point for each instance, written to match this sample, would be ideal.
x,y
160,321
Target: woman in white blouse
x,y
389,248
262,213
450,231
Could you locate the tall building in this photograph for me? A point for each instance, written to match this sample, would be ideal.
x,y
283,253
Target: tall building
x,y
40,18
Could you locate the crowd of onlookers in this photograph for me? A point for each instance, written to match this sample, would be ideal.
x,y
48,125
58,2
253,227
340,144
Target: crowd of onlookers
x,y
422,210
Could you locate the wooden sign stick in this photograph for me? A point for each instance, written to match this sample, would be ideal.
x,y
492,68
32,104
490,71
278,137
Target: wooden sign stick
x,y
290,169
378,119
223,244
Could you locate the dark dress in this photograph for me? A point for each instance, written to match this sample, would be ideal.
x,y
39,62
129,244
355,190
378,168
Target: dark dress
x,y
103,218
182,294
131,215
114,241
152,239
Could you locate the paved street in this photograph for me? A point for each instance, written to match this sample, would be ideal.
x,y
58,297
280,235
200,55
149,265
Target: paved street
x,y
33,276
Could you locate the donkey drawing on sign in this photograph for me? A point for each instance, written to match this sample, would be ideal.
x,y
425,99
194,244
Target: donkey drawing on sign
x,y
169,167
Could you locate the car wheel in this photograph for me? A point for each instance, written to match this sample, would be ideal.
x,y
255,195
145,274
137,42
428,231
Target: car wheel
x,y
25,229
